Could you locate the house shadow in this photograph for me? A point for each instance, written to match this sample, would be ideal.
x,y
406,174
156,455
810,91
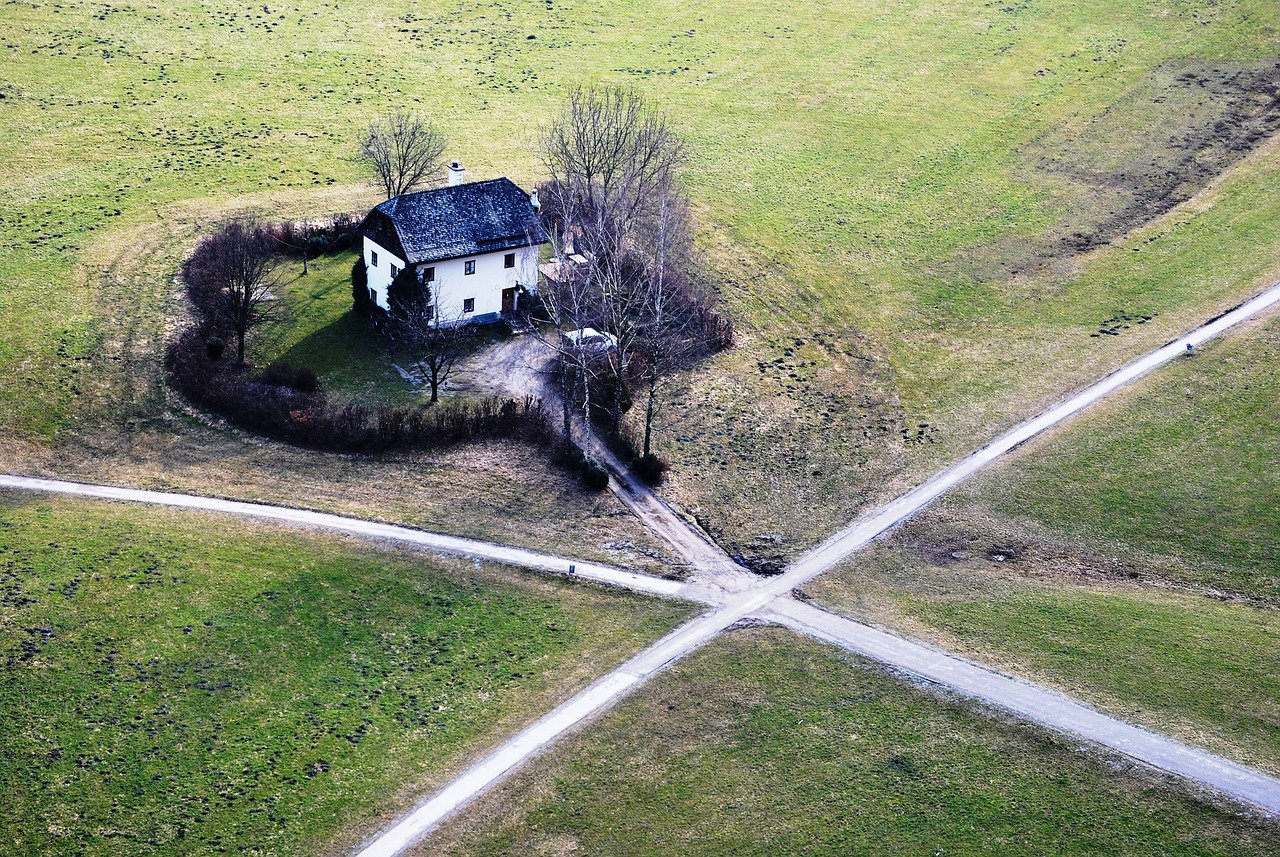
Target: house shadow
x,y
353,362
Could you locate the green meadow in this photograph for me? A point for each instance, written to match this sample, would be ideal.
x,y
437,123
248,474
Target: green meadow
x,y
177,683
928,220
918,211
706,761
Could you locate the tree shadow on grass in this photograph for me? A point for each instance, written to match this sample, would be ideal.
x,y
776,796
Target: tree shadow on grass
x,y
353,362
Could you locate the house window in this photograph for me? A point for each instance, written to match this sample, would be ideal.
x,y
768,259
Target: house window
x,y
394,272
469,305
509,260
429,312
469,267
373,258
428,275
373,296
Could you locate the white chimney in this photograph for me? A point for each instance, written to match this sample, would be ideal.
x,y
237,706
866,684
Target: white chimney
x,y
533,200
456,173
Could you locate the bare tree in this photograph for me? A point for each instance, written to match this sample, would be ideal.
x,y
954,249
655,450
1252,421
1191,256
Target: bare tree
x,y
404,150
434,341
566,298
610,158
665,321
233,271
605,155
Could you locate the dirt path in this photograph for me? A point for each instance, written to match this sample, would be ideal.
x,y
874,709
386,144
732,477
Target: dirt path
x,y
1030,702
770,600
451,545
522,366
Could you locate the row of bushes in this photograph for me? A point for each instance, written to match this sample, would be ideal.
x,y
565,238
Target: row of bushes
x,y
287,403
295,239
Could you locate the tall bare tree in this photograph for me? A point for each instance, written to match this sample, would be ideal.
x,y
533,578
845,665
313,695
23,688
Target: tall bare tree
x,y
611,159
567,298
666,326
404,150
435,342
606,154
234,271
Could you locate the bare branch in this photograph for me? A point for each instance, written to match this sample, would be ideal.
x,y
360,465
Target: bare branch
x,y
404,150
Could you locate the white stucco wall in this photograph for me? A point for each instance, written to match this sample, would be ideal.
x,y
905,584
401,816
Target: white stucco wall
x,y
453,286
380,274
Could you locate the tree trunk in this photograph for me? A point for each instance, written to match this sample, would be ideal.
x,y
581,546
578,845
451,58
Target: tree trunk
x,y
648,410
564,406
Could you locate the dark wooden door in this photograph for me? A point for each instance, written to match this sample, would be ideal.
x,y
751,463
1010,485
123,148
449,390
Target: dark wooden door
x,y
508,300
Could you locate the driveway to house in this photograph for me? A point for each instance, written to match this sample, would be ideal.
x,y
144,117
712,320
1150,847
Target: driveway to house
x,y
770,600
523,366
514,367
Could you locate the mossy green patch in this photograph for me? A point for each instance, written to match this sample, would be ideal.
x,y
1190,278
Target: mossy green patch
x,y
763,743
176,683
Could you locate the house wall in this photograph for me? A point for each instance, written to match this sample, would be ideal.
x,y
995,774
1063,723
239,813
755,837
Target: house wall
x,y
380,275
453,286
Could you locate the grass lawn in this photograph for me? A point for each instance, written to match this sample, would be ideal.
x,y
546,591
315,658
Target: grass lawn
x,y
1184,471
317,329
1131,557
179,683
910,205
1201,670
765,743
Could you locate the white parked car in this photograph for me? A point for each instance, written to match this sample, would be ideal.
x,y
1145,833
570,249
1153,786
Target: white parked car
x,y
591,340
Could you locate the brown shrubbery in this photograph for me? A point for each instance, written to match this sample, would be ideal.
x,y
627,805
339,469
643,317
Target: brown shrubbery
x,y
288,402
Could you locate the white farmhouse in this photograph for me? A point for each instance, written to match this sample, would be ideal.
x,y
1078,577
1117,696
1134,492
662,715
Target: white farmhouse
x,y
474,244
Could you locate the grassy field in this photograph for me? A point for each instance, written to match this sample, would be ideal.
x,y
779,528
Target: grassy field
x,y
317,329
909,205
887,768
1181,472
1130,558
176,683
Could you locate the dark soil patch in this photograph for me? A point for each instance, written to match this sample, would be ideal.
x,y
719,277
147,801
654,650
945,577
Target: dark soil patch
x,y
762,556
1156,146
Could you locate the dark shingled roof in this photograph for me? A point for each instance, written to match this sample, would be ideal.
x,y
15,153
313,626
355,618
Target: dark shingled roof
x,y
460,220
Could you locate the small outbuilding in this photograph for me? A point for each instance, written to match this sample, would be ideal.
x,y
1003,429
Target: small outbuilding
x,y
475,245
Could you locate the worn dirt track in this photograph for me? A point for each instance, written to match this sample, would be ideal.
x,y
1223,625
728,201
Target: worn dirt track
x,y
735,598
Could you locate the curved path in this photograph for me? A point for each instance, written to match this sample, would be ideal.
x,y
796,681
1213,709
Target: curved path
x,y
444,544
770,599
